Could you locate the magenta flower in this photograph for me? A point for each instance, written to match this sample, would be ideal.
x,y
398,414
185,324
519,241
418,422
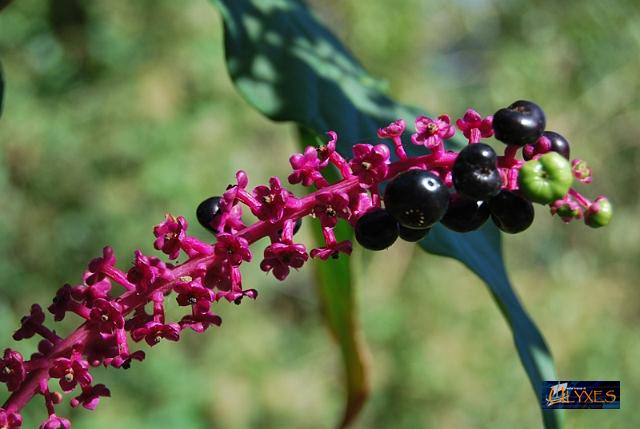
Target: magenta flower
x,y
12,369
90,396
193,293
394,129
107,315
30,323
71,372
473,126
306,167
232,249
145,271
330,206
431,133
326,150
55,422
370,163
280,256
332,250
153,332
359,203
200,322
98,265
169,235
10,420
273,200
62,303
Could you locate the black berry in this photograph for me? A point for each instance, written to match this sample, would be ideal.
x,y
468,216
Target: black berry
x,y
464,214
511,212
207,212
416,198
412,235
558,144
376,230
475,173
519,124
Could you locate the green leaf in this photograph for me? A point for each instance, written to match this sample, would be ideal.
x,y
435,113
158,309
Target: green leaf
x,y
336,294
292,68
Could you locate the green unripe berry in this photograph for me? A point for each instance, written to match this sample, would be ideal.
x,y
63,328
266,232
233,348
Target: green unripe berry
x,y
545,179
599,214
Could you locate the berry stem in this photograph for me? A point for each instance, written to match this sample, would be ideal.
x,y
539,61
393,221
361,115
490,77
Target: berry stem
x,y
580,199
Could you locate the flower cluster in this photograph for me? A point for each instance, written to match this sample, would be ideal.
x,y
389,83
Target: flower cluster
x,y
119,308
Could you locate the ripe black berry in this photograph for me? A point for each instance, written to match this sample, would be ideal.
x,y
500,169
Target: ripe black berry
x,y
376,230
207,212
475,173
412,235
416,198
511,212
558,144
464,214
519,124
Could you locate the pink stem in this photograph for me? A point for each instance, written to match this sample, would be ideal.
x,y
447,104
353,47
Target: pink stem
x,y
580,199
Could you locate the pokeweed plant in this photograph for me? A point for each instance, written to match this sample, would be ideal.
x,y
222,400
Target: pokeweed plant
x,y
414,188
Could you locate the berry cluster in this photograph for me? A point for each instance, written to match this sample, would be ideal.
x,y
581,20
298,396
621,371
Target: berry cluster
x,y
460,190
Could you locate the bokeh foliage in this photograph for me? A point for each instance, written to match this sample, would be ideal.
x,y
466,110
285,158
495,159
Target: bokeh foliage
x,y
116,112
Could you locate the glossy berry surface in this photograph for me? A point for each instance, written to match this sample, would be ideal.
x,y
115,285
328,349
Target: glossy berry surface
x,y
510,212
412,235
207,212
465,215
475,173
558,144
416,198
521,123
545,179
376,230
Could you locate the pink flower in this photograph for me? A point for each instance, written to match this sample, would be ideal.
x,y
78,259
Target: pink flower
x,y
325,151
145,271
71,372
10,420
232,249
473,126
332,250
193,293
90,396
62,303
581,171
98,265
169,235
280,256
200,322
153,332
107,315
330,206
306,167
370,163
55,422
273,200
30,323
431,133
12,369
394,129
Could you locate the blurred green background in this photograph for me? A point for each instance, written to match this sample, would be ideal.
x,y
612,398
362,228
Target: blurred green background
x,y
117,112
